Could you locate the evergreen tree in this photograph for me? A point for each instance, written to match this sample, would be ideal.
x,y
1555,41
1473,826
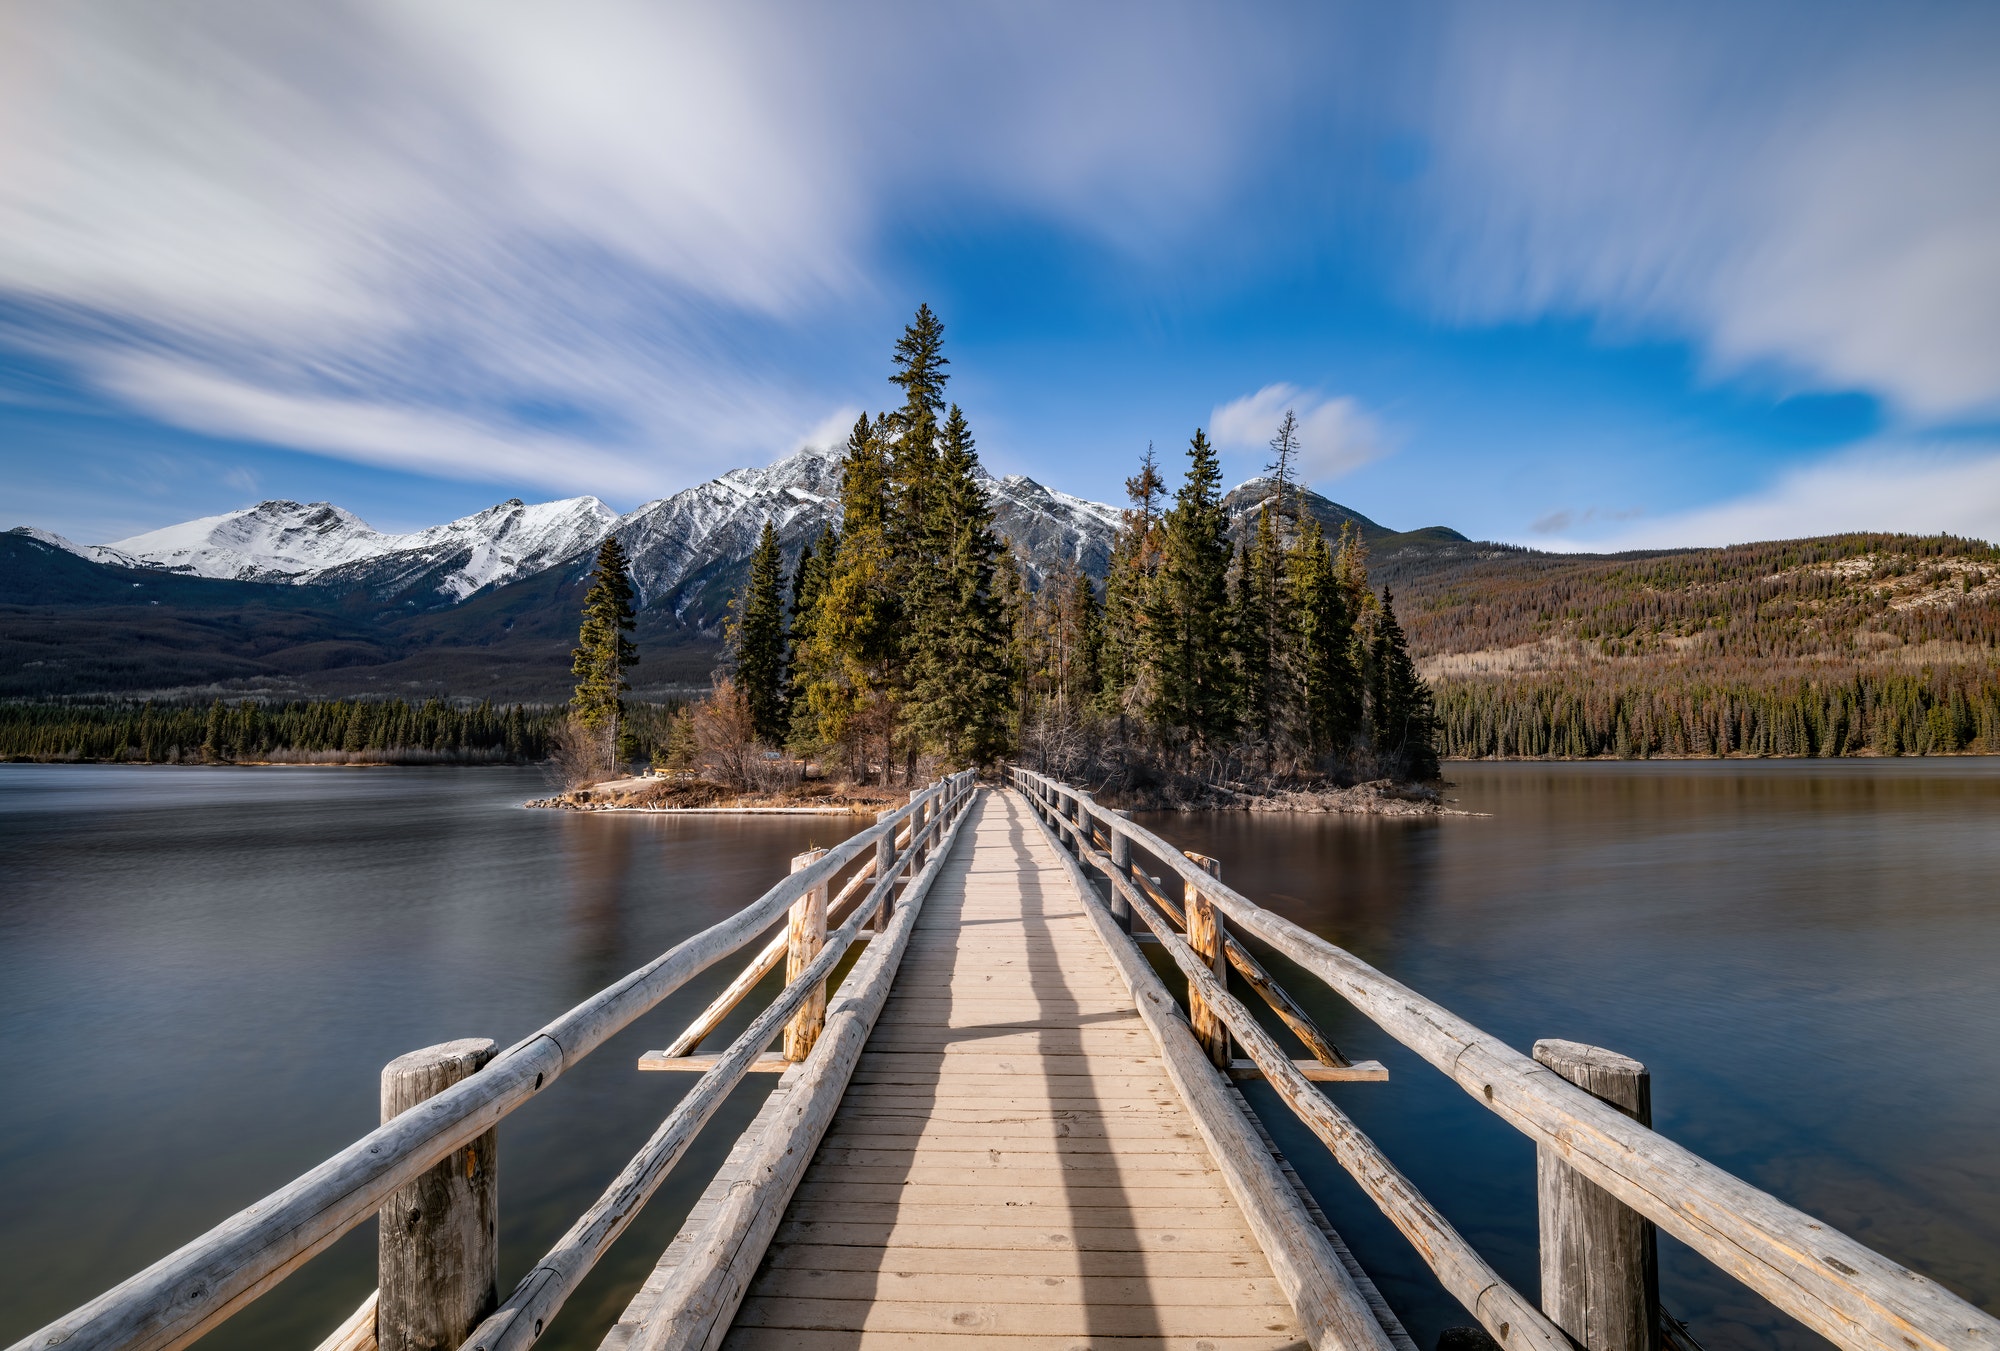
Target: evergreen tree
x,y
1329,691
757,639
958,692
816,560
603,653
1402,723
1284,457
1088,666
1135,557
1187,658
1249,637
845,660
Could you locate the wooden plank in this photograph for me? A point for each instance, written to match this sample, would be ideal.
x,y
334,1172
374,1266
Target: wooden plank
x,y
1124,1237
1354,1072
771,1062
912,1287
1168,1269
1043,1318
802,1339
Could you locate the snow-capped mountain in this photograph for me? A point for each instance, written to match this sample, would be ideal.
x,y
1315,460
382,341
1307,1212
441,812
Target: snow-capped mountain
x,y
96,553
317,543
690,552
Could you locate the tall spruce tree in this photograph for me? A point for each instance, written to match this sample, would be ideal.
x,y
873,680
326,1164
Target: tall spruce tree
x,y
958,692
844,658
603,652
1403,725
1329,689
757,638
1189,666
814,566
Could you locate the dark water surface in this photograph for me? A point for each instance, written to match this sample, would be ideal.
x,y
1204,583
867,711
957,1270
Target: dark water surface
x,y
203,970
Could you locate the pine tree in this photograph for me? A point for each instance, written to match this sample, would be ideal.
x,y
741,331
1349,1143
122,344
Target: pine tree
x,y
1089,674
816,565
1329,691
844,660
1285,454
1191,696
757,638
1250,639
603,653
1135,558
958,693
1402,723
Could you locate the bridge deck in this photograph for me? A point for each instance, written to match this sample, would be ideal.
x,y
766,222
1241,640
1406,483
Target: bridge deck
x,y
1010,1165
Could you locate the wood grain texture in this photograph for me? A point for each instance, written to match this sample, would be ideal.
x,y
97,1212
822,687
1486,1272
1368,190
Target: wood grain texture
x,y
1600,1259
1848,1293
438,1251
805,935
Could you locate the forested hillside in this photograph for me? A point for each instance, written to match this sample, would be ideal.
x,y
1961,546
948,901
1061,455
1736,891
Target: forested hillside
x,y
1844,645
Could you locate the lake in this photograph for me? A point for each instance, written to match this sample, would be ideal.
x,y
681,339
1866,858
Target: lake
x,y
203,970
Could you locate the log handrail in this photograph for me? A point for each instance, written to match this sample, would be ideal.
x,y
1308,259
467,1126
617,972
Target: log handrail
x,y
178,1298
1843,1290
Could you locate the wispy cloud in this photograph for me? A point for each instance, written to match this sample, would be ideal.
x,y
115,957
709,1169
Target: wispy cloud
x,y
1806,193
577,246
1921,489
1336,435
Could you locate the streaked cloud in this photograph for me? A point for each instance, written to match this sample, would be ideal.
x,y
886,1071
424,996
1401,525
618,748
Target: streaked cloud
x,y
1336,434
1918,488
1805,193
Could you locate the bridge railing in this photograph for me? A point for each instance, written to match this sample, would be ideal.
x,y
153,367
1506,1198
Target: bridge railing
x,y
1846,1292
204,1282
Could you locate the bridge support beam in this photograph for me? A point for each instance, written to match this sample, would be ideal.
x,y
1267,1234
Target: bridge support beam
x,y
438,1254
1600,1260
1208,935
805,935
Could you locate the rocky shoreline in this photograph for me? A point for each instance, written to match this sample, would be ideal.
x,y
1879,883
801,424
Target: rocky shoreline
x,y
1378,797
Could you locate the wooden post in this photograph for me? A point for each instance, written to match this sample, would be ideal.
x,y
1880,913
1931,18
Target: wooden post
x,y
1121,861
805,935
1081,803
916,834
885,859
1208,935
438,1253
1600,1260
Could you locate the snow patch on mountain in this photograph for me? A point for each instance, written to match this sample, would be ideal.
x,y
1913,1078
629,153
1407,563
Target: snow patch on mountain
x,y
314,543
96,553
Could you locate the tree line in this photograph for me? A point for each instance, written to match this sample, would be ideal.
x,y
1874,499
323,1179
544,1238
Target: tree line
x,y
1937,711
164,732
909,635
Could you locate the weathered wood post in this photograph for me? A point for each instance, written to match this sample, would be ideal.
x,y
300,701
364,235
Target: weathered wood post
x,y
885,860
917,852
1121,862
1600,1260
805,935
1085,838
1208,934
438,1253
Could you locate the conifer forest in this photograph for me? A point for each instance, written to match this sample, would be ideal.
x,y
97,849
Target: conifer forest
x,y
909,638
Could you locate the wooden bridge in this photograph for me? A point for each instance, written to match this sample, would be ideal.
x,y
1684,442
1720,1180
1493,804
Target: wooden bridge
x,y
1004,1130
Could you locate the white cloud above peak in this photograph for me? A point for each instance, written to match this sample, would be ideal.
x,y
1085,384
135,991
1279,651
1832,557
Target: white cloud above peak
x,y
1336,434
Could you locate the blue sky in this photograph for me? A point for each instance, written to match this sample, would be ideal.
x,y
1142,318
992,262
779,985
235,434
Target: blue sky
x,y
1567,275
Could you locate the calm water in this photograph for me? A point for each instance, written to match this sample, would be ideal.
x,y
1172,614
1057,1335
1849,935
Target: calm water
x,y
202,971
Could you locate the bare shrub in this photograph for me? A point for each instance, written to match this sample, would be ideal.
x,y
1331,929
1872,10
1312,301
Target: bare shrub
x,y
576,756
